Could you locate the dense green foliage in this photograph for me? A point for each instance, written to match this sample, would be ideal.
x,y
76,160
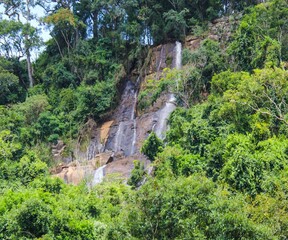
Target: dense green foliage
x,y
261,39
221,172
240,132
152,146
137,175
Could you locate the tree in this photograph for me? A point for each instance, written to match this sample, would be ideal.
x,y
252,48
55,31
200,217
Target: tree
x,y
152,146
261,37
263,92
8,84
268,94
176,24
15,9
34,218
95,101
233,5
8,146
137,175
66,28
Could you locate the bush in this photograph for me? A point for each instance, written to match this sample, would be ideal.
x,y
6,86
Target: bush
x,y
179,162
95,101
32,108
152,146
137,174
34,218
9,88
49,127
58,76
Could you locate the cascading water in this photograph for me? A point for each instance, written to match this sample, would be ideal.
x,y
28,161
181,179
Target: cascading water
x,y
123,135
160,60
134,137
163,116
98,175
133,118
178,55
124,138
118,137
170,105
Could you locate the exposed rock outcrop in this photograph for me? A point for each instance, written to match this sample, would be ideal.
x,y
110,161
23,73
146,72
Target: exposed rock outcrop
x,y
74,172
116,143
219,30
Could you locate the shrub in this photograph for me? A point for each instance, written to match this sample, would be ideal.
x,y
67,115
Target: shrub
x,y
152,146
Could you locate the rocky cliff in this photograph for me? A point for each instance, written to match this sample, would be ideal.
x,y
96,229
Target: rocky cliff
x,y
112,146
117,142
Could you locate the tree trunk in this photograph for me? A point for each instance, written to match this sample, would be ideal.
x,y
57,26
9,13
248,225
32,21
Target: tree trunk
x,y
29,68
28,54
94,17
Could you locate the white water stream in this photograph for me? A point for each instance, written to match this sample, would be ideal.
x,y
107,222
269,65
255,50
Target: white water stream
x,y
98,175
163,116
118,137
134,126
178,55
170,105
126,134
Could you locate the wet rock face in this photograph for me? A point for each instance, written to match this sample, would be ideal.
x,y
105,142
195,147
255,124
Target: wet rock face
x,y
122,132
163,117
98,140
162,57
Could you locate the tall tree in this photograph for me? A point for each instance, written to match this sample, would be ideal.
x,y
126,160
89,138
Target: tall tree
x,y
17,40
19,10
66,28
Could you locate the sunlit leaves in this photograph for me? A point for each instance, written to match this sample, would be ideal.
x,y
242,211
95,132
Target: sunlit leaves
x,y
62,18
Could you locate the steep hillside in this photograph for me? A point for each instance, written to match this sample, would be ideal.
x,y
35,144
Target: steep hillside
x,y
117,142
144,120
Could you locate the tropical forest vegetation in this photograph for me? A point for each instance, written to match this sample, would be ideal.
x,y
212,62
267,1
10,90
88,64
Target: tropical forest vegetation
x,y
222,170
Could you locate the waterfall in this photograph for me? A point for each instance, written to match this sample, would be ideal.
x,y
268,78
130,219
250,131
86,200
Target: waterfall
x,y
124,114
178,60
178,55
160,61
170,105
135,100
134,137
134,119
123,134
163,116
118,138
98,175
